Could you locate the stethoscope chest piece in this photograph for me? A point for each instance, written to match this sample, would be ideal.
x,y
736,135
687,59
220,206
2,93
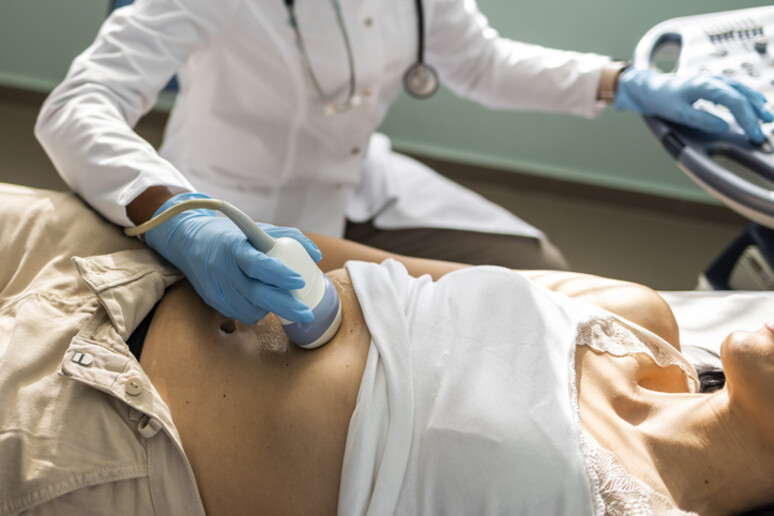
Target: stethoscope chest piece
x,y
420,80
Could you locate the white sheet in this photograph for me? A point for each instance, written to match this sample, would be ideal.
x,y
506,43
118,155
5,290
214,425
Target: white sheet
x,y
707,317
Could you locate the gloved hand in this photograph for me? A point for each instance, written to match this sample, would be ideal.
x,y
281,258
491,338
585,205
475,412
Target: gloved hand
x,y
225,269
670,96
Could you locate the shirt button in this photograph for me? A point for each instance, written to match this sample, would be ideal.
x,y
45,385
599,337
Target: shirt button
x,y
368,91
133,386
368,22
355,151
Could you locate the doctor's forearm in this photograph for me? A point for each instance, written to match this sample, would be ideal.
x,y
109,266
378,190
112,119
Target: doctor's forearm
x,y
98,154
142,208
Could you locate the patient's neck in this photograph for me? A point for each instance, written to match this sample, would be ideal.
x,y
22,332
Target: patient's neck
x,y
703,454
699,450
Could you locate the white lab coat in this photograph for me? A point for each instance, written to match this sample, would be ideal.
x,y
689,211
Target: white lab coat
x,y
248,126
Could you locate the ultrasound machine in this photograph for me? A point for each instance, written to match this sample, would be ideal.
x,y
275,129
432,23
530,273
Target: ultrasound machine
x,y
736,44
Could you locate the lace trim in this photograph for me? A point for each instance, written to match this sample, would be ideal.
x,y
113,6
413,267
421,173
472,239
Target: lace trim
x,y
616,337
597,501
614,491
620,493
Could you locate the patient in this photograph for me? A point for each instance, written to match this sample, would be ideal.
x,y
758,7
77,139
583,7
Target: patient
x,y
481,392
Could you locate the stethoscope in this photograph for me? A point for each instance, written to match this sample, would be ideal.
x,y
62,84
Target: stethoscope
x,y
420,80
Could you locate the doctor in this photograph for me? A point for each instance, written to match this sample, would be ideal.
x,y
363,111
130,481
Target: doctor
x,y
276,113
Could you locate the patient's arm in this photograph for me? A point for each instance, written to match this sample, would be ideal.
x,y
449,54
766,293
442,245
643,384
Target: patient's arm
x,y
337,251
632,301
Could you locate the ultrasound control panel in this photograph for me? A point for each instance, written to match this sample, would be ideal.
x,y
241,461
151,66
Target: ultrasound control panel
x,y
738,45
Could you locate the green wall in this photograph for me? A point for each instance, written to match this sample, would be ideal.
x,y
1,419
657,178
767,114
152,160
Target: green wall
x,y
39,38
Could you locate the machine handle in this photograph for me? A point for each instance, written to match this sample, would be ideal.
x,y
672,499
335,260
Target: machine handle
x,y
694,152
719,179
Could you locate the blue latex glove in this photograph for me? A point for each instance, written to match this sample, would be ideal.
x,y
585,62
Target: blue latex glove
x,y
671,97
225,269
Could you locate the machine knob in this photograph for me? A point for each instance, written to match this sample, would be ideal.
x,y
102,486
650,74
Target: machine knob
x,y
761,44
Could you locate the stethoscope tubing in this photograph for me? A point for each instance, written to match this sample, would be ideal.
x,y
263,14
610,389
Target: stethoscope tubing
x,y
420,9
329,105
420,80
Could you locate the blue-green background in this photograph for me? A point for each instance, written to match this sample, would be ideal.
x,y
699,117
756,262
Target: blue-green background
x,y
39,38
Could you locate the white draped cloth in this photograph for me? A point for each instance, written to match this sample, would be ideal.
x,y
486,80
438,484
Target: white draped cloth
x,y
468,402
399,192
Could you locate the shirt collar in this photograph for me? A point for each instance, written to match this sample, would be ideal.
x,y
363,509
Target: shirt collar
x,y
128,284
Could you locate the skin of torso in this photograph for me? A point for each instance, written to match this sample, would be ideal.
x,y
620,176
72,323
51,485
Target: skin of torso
x,y
263,422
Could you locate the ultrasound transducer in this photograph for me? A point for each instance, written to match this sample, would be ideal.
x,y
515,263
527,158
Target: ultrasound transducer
x,y
318,292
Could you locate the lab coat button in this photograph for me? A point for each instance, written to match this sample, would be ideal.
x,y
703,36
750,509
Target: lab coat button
x,y
368,22
133,386
355,151
368,91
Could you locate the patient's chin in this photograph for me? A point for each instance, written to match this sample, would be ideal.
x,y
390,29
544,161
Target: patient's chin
x,y
748,362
